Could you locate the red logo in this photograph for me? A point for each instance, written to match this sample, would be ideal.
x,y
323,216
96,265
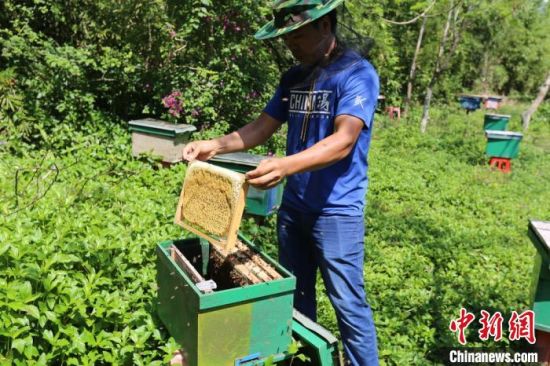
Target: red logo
x,y
460,324
519,326
522,326
491,326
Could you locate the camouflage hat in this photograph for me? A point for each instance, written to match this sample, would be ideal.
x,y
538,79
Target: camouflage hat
x,y
289,15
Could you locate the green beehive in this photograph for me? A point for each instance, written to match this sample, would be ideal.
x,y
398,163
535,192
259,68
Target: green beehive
x,y
496,122
217,328
220,298
503,144
258,202
539,233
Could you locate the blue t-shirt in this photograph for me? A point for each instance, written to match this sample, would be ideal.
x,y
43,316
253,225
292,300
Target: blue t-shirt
x,y
309,100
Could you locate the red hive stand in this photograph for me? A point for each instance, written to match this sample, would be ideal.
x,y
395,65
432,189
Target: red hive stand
x,y
394,112
502,164
543,347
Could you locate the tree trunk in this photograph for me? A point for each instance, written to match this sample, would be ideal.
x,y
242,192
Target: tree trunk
x,y
437,70
526,116
485,72
413,66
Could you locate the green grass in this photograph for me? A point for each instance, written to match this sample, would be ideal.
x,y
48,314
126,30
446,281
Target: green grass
x,y
77,275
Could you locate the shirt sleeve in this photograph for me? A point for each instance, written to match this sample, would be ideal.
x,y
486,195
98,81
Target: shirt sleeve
x,y
277,107
359,95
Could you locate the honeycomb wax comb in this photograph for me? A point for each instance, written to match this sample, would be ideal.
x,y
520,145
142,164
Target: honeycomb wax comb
x,y
212,202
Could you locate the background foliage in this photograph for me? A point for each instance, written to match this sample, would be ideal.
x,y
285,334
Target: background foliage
x,y
78,63
79,218
77,275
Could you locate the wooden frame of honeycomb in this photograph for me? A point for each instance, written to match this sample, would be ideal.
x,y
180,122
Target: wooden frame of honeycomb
x,y
211,203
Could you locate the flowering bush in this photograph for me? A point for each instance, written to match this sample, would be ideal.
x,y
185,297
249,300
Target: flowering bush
x,y
189,62
173,103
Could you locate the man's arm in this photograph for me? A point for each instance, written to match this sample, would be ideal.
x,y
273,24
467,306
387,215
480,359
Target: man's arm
x,y
253,134
324,153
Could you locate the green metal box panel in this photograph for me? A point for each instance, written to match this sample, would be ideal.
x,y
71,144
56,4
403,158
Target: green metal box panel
x,y
321,347
496,122
539,233
503,144
541,305
215,329
258,202
263,202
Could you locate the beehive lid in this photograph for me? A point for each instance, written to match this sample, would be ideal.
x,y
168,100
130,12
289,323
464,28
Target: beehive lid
x,y
239,158
211,203
158,127
503,135
542,231
492,115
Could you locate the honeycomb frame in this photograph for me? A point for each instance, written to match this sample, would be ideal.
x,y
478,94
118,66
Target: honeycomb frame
x,y
212,202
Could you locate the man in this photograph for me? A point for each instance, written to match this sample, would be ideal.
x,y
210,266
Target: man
x,y
328,101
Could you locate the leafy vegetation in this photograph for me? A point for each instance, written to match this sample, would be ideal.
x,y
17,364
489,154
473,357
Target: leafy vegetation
x,y
104,60
80,218
118,61
77,239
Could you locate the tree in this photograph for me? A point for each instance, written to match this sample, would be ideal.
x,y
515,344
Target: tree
x,y
442,59
412,72
543,90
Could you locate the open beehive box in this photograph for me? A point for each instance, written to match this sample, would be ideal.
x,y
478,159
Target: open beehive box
x,y
219,296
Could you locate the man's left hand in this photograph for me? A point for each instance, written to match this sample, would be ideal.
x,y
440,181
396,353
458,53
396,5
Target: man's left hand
x,y
268,173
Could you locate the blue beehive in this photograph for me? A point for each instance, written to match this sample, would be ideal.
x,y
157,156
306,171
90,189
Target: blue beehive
x,y
470,103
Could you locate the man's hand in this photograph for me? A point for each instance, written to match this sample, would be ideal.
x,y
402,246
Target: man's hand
x,y
268,173
200,150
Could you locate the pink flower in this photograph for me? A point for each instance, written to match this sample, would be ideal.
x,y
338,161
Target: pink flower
x,y
173,103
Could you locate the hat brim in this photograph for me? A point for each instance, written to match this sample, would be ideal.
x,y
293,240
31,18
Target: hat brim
x,y
270,31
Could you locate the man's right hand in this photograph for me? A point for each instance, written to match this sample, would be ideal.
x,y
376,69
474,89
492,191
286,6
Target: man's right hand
x,y
200,150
